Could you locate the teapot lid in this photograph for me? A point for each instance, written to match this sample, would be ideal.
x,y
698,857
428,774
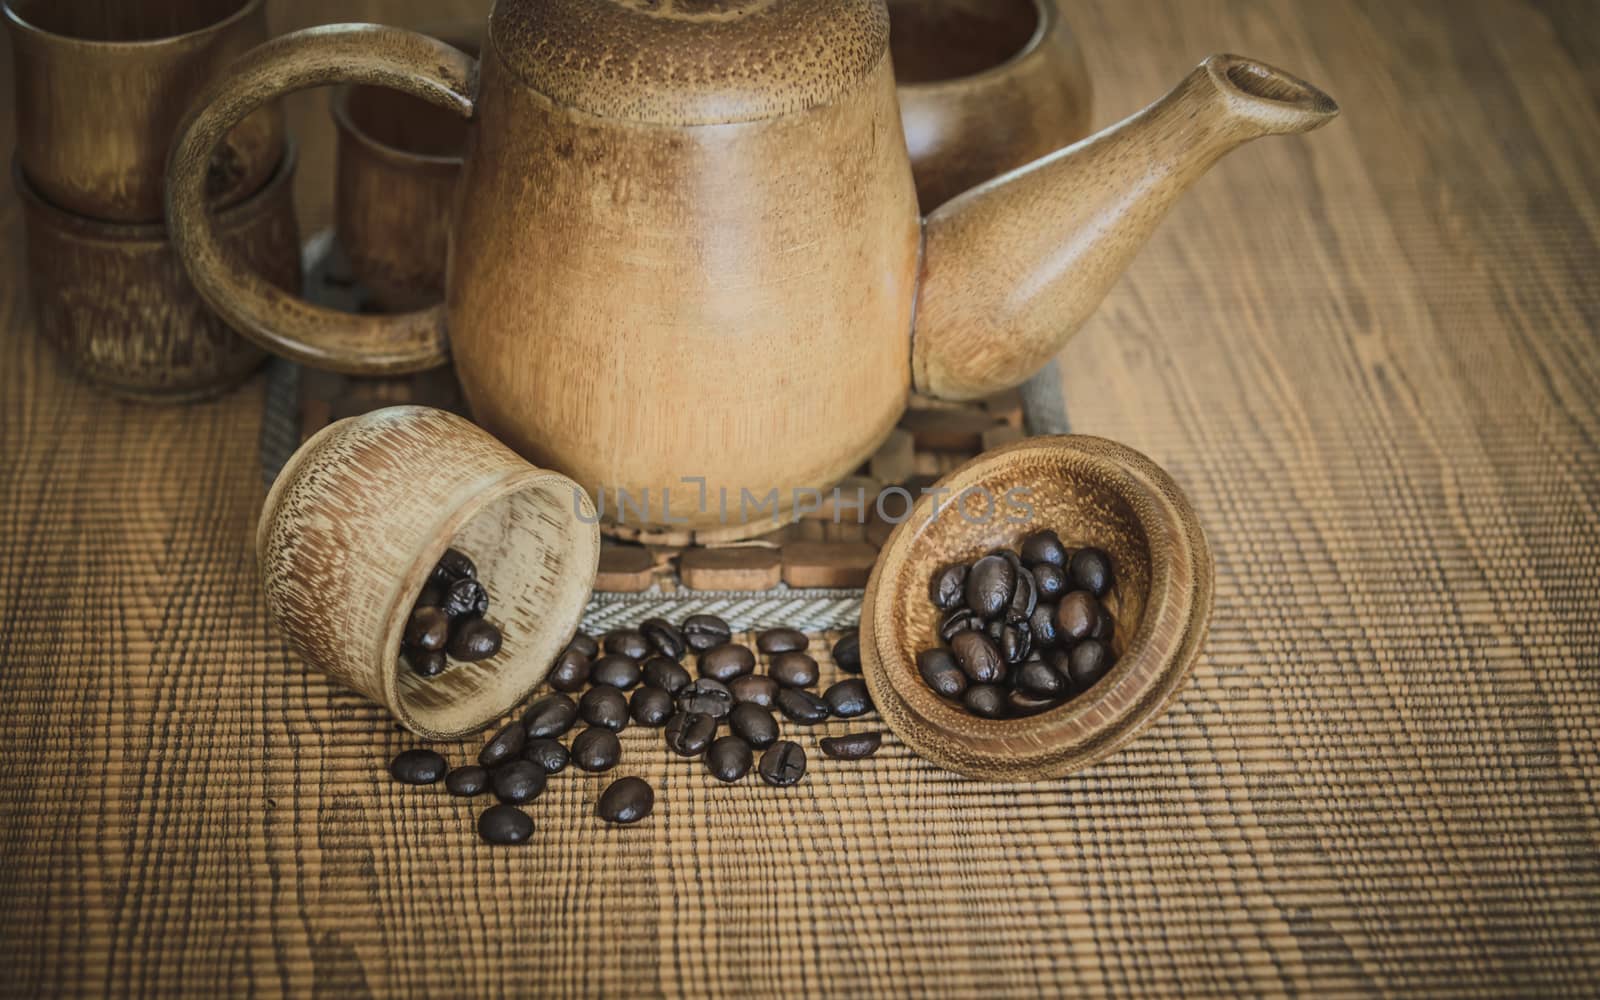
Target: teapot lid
x,y
690,62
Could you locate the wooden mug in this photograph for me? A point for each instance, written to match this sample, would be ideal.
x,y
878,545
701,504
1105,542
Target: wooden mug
x,y
100,88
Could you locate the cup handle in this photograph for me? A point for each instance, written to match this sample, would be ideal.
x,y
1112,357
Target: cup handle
x,y
284,324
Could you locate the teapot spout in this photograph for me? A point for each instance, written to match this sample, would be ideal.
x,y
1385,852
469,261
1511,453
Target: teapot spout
x,y
1013,267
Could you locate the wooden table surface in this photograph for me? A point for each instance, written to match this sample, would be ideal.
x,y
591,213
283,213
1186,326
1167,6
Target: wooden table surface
x,y
1369,355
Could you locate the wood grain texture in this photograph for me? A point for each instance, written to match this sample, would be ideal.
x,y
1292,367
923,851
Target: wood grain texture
x,y
1381,778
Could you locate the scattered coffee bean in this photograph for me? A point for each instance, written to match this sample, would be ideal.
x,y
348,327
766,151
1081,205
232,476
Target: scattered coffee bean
x,y
1044,548
452,566
1091,570
940,672
668,641
848,698
706,697
549,754
666,674
757,689
1088,662
727,661
474,640
615,670
1077,615
507,743
948,587
426,663
551,715
584,643
605,707
570,671
847,652
989,586
783,764
852,746
782,640
465,598
986,700
626,800
802,706
793,669
427,629
517,782
628,642
702,632
467,781
1050,581
689,733
650,706
417,767
504,824
728,758
1041,680
959,620
978,657
596,749
753,724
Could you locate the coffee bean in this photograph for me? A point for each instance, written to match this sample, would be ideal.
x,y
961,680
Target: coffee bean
x,y
425,663
650,706
666,639
1015,642
1088,662
848,698
978,657
728,758
852,746
465,598
782,640
783,764
427,629
551,715
792,669
1020,704
628,642
1077,615
847,652
1104,627
584,643
727,661
605,707
959,620
758,689
417,767
689,733
1039,679
507,743
432,595
753,724
947,589
452,566
1024,598
1091,570
1050,581
549,754
615,670
504,824
986,700
989,586
666,674
706,697
1044,548
940,672
802,706
1042,625
517,782
473,640
570,672
702,632
596,749
626,800
467,781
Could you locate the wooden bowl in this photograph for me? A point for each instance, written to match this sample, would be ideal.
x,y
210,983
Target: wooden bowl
x,y
357,519
1092,492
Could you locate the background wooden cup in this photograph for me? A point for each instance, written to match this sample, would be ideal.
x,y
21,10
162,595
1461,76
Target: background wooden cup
x,y
116,302
356,521
100,87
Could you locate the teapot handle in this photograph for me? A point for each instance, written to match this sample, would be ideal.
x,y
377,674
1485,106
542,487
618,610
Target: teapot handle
x,y
292,327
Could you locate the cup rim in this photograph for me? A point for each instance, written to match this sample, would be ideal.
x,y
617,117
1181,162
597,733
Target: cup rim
x,y
20,23
339,110
1049,21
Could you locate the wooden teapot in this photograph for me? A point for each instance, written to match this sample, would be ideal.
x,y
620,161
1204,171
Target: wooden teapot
x,y
687,266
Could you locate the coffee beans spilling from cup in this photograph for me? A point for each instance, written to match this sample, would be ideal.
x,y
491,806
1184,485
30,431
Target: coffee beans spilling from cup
x,y
1022,630
447,621
638,677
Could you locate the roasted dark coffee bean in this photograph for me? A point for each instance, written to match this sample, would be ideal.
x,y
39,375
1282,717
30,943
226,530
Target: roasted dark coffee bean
x,y
596,749
650,706
517,782
431,596
782,640
465,598
959,620
417,767
626,800
727,661
847,652
615,670
473,640
1020,704
758,689
753,724
467,781
507,743
1044,548
1090,570
628,642
1104,627
852,746
792,669
702,632
570,672
504,824
728,758
427,629
848,698
426,663
784,763
1041,680
666,674
689,733
985,700
551,715
947,589
1023,599
989,585
1077,615
980,660
1049,581
706,696
548,754
1088,662
802,706
1014,641
605,707
940,671
1042,625
452,566
666,639
584,643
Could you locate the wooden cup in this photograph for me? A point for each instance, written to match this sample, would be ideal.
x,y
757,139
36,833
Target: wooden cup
x,y
1092,492
115,301
356,521
100,88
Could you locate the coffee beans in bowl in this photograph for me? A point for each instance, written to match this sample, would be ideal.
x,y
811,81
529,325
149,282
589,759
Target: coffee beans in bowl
x,y
448,619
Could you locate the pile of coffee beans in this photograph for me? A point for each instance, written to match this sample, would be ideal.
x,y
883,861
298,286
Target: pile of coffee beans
x,y
447,620
1022,631
641,677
